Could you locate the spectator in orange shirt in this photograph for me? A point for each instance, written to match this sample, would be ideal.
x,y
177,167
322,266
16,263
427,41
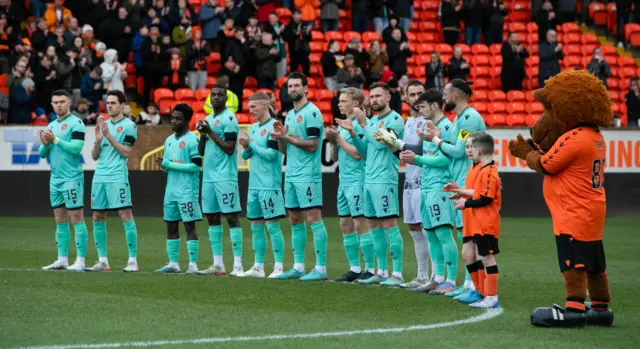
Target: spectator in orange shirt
x,y
57,14
308,9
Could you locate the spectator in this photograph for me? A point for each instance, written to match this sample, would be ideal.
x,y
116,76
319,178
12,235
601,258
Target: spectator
x,y
396,97
360,55
21,102
151,116
136,47
46,80
276,29
211,17
73,31
126,111
566,11
57,39
92,88
513,61
298,36
329,61
113,72
82,110
495,13
135,9
120,34
398,53
181,34
263,9
450,20
350,75
473,20
435,72
247,9
403,10
235,62
273,106
380,19
197,52
378,59
233,102
308,10
183,10
18,73
599,67
177,70
546,20
252,30
96,12
98,55
39,36
57,15
330,14
285,101
458,66
155,60
38,8
226,32
163,12
153,20
266,56
87,37
103,27
393,24
230,9
623,15
632,100
71,69
550,56
360,12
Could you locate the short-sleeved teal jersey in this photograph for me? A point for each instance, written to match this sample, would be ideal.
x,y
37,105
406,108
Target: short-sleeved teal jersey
x,y
182,186
381,164
66,166
265,166
218,166
306,124
435,178
468,122
351,170
112,167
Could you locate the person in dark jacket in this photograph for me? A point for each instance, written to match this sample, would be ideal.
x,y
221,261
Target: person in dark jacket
x,y
234,63
153,20
329,62
156,63
402,10
435,71
398,51
495,13
39,36
393,24
623,14
47,80
632,100
72,68
546,20
513,61
380,12
197,52
550,56
136,46
118,34
450,21
92,88
474,12
599,67
298,36
181,10
329,14
266,56
458,66
21,103
360,12
360,55
350,75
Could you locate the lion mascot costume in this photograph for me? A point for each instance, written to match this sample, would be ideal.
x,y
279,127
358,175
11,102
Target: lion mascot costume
x,y
567,148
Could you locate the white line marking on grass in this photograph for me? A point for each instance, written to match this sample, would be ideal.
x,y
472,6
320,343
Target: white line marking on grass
x,y
487,315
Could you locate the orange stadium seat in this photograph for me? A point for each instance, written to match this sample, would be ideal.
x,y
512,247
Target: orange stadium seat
x,y
497,96
333,35
516,119
516,96
536,108
479,49
251,82
317,35
589,39
520,11
598,12
571,39
198,107
572,62
211,81
529,96
202,94
443,49
325,107
348,36
370,36
480,107
496,108
480,96
323,95
570,28
426,27
572,50
419,72
515,107
494,119
184,94
161,94
496,61
243,118
327,119
494,72
626,61
427,37
495,49
480,72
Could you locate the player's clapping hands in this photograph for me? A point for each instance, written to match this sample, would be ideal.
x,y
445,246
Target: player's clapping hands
x,y
279,131
244,141
385,137
429,133
331,133
49,137
158,162
460,203
104,129
408,157
345,124
43,139
203,127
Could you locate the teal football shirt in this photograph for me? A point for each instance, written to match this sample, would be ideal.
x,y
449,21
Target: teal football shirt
x,y
381,164
468,122
182,186
265,166
306,124
351,170
218,166
112,167
435,178
66,166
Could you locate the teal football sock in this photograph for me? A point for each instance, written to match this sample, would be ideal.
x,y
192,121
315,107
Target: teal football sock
x,y
366,244
320,242
131,234
350,242
63,236
82,235
215,239
259,242
435,250
192,249
277,241
100,238
450,250
467,276
299,242
173,250
395,246
236,241
380,246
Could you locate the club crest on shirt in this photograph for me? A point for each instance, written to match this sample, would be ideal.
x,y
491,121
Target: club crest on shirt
x,y
263,132
216,123
299,119
181,145
119,129
419,125
64,127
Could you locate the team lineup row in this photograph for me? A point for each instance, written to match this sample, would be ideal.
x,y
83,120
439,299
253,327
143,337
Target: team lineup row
x,y
442,158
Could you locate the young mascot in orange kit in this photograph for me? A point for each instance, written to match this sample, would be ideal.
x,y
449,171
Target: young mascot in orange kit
x,y
567,148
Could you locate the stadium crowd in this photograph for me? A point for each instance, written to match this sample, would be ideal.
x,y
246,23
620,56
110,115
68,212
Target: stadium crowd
x,y
89,47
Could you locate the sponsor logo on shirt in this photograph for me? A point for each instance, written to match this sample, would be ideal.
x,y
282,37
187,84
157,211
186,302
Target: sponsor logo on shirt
x,y
381,124
181,145
64,127
263,132
299,118
119,129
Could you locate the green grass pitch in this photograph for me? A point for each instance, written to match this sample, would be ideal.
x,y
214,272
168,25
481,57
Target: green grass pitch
x,y
57,308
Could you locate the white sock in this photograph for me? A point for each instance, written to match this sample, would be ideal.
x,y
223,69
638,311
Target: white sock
x,y
397,274
278,266
80,260
173,265
422,253
453,282
63,259
356,269
321,269
383,273
298,267
433,269
259,266
469,284
438,279
103,260
237,261
193,266
217,260
132,260
370,270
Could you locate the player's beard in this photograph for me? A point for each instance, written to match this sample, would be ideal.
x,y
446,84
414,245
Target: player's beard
x,y
296,96
415,108
449,107
376,107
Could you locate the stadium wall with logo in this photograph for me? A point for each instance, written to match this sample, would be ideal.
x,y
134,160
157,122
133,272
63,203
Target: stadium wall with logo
x,y
24,176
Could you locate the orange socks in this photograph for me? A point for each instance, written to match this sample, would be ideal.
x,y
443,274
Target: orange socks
x,y
481,279
474,271
491,281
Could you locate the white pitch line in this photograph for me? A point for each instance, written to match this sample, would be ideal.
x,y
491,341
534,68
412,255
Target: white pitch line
x,y
489,314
